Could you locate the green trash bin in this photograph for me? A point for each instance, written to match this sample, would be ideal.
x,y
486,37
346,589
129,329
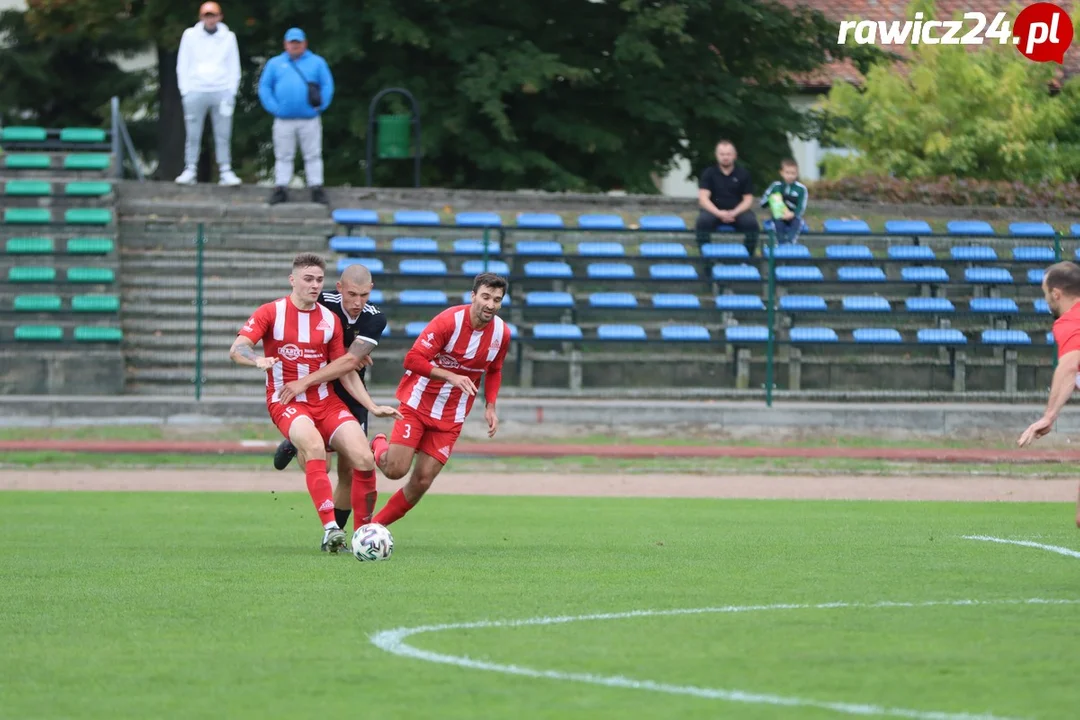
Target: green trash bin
x,y
393,139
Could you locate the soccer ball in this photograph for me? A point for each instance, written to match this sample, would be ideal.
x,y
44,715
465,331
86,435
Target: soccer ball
x,y
372,542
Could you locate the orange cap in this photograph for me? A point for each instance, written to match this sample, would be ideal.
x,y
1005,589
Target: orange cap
x,y
211,8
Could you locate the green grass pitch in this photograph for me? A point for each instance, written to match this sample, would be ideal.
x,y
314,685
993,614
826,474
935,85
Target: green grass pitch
x,y
179,605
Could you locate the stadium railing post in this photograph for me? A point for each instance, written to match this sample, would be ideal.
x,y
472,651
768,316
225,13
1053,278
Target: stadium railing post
x,y
487,236
770,350
200,244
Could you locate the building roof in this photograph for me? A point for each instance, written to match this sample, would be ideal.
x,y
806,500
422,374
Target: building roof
x,y
889,10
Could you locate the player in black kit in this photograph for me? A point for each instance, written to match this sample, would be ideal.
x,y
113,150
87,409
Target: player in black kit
x,y
359,318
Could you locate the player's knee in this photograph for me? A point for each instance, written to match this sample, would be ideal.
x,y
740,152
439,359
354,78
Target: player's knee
x,y
362,460
309,449
421,481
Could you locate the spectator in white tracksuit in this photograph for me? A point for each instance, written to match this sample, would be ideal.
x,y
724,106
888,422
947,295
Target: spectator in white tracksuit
x,y
208,74
296,87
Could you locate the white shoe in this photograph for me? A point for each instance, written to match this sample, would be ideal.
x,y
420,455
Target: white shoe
x,y
187,177
229,179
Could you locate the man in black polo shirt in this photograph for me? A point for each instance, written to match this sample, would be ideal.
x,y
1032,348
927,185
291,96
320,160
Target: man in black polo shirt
x,y
359,318
726,196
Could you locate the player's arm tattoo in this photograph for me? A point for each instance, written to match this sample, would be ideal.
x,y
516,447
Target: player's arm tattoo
x,y
361,347
245,350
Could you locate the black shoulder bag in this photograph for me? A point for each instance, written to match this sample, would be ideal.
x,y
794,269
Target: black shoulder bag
x,y
314,92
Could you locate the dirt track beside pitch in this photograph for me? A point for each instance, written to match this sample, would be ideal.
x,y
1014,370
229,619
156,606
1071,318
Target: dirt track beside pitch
x,y
804,487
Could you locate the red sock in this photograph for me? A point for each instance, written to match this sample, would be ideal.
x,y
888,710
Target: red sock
x,y
363,497
322,494
394,509
379,446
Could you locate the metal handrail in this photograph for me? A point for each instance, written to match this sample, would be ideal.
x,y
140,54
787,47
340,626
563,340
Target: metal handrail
x,y
121,143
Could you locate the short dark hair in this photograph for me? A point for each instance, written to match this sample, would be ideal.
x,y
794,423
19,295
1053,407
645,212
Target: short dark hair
x,y
789,162
1064,276
491,280
304,260
725,141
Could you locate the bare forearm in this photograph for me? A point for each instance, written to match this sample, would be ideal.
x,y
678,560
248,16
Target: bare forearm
x,y
1060,390
338,369
355,386
746,204
243,354
707,205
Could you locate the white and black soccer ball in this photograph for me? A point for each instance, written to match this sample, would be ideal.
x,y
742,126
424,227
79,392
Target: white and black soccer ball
x,y
372,542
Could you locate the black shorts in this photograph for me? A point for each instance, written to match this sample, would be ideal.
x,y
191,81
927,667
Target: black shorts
x,y
359,411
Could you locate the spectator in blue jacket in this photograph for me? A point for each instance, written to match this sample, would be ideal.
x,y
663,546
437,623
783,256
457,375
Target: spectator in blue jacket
x,y
296,87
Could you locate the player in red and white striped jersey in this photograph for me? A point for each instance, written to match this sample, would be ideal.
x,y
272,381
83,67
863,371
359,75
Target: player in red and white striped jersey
x,y
301,337
442,373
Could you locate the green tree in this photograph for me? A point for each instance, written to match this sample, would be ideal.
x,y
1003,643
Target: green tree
x,y
987,114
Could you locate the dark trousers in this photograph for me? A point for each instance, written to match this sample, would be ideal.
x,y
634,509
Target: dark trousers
x,y
787,231
745,223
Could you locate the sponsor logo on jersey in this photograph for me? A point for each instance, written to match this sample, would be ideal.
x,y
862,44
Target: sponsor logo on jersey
x,y
290,352
447,362
322,326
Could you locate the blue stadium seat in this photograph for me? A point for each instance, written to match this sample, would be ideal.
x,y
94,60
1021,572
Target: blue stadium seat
x,y
386,330
1031,229
724,229
478,219
513,330
549,299
1041,307
556,331
1005,337
414,329
793,251
543,248
685,333
466,298
1074,229
998,306
422,267
469,246
414,245
908,227
911,252
846,227
1035,277
600,222
929,305
673,272
350,244
675,301
475,267
1050,338
416,217
924,275
988,276
812,335
848,252
941,336
620,332
877,335
620,300
805,273
540,269
376,297
422,297
746,334
661,222
662,249
601,249
539,220
803,303
725,251
862,274
374,265
610,271
969,227
736,273
1033,253
865,303
739,302
973,253
354,216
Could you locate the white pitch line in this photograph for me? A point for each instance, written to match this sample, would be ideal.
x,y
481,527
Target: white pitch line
x,y
1026,543
393,641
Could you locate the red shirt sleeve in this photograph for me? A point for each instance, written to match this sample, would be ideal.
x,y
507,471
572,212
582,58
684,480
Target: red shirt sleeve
x,y
1067,335
427,346
336,348
257,325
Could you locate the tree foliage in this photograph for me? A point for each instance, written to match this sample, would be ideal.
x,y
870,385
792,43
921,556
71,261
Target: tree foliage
x,y
950,111
555,95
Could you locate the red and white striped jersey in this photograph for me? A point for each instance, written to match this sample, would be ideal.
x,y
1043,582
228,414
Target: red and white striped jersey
x,y
450,342
302,340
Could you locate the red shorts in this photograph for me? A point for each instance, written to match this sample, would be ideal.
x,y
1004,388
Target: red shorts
x,y
327,416
424,434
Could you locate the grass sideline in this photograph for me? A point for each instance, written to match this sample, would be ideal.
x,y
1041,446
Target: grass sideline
x,y
584,464
230,610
